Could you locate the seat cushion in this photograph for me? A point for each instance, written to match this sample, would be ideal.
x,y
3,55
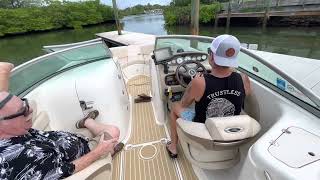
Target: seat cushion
x,y
213,155
195,132
232,128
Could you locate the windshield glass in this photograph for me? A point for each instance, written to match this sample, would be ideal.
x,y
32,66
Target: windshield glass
x,y
37,70
184,44
193,43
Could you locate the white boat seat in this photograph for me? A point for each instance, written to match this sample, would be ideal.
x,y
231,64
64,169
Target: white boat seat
x,y
215,144
232,128
40,120
100,169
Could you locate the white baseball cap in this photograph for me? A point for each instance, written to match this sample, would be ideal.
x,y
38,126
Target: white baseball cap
x,y
225,49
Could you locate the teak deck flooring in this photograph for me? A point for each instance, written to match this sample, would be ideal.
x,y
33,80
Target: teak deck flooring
x,y
155,164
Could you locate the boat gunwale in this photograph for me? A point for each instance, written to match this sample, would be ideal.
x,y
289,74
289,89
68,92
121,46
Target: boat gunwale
x,y
71,44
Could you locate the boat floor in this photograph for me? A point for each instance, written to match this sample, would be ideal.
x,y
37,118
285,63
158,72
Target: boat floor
x,y
147,158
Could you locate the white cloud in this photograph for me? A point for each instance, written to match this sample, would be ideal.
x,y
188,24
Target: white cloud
x,y
129,3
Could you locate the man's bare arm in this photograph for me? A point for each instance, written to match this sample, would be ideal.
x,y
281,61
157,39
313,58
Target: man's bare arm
x,y
246,84
103,148
5,69
86,160
187,97
194,91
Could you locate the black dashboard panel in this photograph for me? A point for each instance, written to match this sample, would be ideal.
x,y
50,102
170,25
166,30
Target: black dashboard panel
x,y
171,80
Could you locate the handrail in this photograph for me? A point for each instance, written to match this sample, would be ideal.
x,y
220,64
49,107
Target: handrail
x,y
310,94
72,44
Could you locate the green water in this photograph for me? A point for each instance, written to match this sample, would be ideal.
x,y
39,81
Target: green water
x,y
304,42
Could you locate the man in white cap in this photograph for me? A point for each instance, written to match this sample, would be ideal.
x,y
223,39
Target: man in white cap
x,y
217,94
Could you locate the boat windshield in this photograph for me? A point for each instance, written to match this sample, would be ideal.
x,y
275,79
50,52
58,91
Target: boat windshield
x,y
250,65
32,73
184,44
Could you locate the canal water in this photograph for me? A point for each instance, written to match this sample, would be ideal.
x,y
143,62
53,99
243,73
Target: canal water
x,y
304,42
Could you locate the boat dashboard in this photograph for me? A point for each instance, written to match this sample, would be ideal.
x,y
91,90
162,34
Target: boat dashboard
x,y
165,56
177,68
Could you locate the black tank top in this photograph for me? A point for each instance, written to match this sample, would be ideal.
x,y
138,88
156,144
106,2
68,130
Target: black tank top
x,y
222,97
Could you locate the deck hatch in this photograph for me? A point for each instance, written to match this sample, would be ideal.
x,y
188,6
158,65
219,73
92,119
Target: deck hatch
x,y
296,147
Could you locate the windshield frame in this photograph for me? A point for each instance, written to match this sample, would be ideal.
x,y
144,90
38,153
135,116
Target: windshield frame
x,y
307,92
65,46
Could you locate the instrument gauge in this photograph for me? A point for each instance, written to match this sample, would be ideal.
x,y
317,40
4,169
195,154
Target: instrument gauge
x,y
194,58
169,63
187,58
198,58
174,61
179,60
203,57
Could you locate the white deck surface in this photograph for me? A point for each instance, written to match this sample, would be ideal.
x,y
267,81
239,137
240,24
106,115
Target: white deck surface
x,y
305,70
128,38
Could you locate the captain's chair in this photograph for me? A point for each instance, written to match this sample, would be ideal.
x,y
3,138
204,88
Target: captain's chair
x,y
215,144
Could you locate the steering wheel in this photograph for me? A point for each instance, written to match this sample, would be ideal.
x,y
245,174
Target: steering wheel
x,y
188,69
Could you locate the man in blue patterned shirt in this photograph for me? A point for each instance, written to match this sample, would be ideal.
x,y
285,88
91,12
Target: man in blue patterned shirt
x,y
26,153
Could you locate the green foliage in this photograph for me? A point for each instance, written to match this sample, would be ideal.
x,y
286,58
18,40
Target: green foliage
x,y
258,9
139,9
54,16
182,2
11,4
187,2
208,12
175,15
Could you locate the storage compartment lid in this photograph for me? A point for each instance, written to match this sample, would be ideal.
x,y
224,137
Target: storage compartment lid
x,y
296,147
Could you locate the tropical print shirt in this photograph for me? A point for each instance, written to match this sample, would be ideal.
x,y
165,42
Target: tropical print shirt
x,y
40,155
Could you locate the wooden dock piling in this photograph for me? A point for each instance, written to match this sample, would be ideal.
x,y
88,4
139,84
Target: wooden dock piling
x,y
216,21
195,17
266,15
116,16
229,15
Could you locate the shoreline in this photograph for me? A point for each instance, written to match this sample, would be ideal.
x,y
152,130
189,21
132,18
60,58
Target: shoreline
x,y
110,22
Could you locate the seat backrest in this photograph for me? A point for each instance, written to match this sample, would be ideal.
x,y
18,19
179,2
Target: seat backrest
x,y
232,128
195,133
40,120
252,107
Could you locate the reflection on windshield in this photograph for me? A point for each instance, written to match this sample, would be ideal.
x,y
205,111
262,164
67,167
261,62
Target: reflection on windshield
x,y
178,45
258,69
36,71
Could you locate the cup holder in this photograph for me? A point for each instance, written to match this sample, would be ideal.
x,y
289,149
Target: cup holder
x,y
233,129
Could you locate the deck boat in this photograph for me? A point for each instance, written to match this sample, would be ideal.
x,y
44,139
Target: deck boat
x,y
76,78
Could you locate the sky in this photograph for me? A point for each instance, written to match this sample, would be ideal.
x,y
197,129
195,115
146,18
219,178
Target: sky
x,y
122,4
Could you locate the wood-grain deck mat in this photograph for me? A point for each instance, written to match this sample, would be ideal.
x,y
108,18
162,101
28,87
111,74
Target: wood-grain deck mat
x,y
144,130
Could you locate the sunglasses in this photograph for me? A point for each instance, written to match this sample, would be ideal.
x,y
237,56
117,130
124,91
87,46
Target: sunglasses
x,y
24,111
